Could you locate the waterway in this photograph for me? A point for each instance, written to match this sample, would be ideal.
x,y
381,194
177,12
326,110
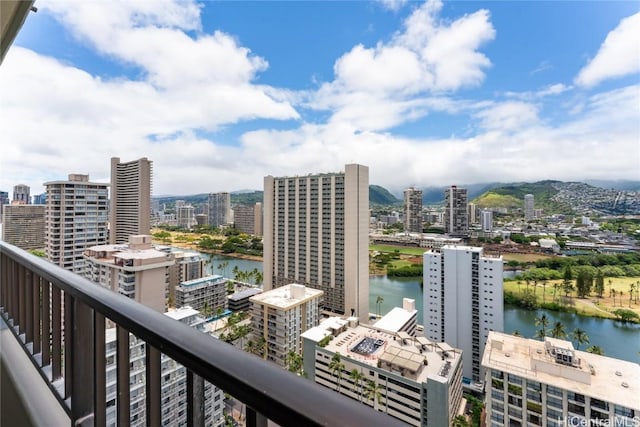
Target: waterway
x,y
616,339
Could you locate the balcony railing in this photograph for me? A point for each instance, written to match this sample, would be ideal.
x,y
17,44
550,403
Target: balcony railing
x,y
59,320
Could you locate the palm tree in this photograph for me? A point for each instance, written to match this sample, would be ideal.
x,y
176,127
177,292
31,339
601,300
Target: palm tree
x,y
250,347
580,336
535,286
336,367
373,392
555,290
632,288
613,293
610,283
379,301
595,349
293,362
516,333
460,421
543,322
357,378
544,290
558,331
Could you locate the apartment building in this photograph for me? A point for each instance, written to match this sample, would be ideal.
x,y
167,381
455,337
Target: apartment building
x,y
281,315
24,226
130,206
206,294
4,200
400,319
456,215
185,217
549,383
463,301
75,219
137,270
486,220
240,301
248,218
173,381
21,194
413,210
316,234
409,378
187,266
529,212
219,205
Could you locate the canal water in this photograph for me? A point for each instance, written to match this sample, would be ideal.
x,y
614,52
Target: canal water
x,y
616,339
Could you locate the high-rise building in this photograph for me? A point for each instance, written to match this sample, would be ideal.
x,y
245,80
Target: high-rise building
x,y
462,301
173,382
316,233
185,217
21,194
529,213
280,316
75,219
219,209
206,294
413,210
130,208
549,383
473,213
248,218
24,225
187,266
40,199
4,200
486,220
137,270
456,219
409,378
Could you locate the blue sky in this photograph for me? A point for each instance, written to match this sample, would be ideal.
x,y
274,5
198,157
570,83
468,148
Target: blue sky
x,y
220,94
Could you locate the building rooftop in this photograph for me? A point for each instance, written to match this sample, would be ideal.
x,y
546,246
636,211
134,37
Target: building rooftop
x,y
246,293
416,359
394,320
202,281
182,313
286,296
555,362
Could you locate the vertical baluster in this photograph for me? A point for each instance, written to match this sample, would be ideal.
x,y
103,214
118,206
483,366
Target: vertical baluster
x,y
81,361
254,419
67,339
195,400
28,309
36,290
4,279
46,323
153,385
123,388
56,331
100,393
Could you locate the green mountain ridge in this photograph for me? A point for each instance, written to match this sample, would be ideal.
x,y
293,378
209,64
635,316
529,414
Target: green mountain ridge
x,y
512,196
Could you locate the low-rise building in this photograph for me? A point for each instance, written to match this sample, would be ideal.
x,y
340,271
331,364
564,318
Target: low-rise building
x,y
207,294
549,383
239,301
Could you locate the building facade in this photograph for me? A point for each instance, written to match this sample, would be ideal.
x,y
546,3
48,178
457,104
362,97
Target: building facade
x,y
316,234
413,210
21,194
187,266
137,270
409,378
185,217
173,382
486,220
76,216
529,213
206,294
463,301
4,200
280,316
130,205
248,218
548,383
456,215
24,226
219,205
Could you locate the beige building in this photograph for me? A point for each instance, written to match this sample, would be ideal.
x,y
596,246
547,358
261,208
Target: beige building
x,y
75,219
409,378
24,226
413,210
456,214
281,315
187,266
549,383
316,234
137,270
130,204
206,294
248,218
219,209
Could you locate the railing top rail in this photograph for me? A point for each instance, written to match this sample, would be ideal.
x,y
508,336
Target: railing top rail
x,y
263,386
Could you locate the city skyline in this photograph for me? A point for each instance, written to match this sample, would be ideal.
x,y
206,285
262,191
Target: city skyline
x,y
220,94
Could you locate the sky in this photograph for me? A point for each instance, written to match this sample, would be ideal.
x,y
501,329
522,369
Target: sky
x,y
219,94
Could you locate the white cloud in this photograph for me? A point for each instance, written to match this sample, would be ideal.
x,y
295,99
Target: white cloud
x,y
393,5
618,56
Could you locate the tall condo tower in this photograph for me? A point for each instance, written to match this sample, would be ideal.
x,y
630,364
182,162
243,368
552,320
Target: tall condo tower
x,y
462,301
456,216
316,234
130,210
219,209
529,213
21,194
75,219
413,210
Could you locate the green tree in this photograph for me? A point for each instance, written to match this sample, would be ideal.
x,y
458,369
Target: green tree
x,y
632,288
543,322
373,392
595,349
626,315
567,284
293,362
460,421
558,331
379,301
336,367
357,377
580,336
516,333
599,283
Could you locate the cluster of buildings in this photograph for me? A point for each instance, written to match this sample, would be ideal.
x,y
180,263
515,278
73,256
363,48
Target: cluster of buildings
x,y
314,303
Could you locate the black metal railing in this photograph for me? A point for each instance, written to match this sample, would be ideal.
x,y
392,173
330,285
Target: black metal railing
x,y
59,319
